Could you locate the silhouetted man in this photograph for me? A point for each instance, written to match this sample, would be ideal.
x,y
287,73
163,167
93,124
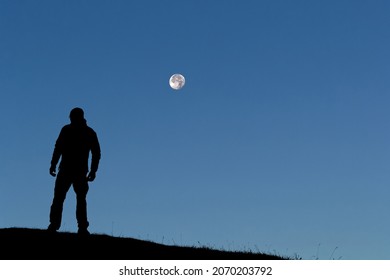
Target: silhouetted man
x,y
74,144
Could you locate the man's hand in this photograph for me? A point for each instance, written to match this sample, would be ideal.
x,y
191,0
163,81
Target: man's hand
x,y
52,171
91,176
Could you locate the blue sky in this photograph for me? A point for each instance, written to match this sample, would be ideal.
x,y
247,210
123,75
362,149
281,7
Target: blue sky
x,y
278,142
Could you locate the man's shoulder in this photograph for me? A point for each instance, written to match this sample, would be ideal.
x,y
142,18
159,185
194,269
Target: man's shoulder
x,y
70,127
91,131
66,127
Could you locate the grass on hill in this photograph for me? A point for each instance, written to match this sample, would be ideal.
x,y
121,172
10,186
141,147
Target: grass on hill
x,y
38,244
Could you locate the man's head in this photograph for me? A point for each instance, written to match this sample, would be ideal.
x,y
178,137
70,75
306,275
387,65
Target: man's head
x,y
76,115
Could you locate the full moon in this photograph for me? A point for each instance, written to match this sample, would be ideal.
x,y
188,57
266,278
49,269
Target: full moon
x,y
177,81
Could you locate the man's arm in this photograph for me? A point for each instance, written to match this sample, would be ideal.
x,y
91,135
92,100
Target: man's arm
x,y
56,154
96,155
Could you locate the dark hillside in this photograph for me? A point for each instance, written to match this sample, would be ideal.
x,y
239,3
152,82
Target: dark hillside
x,y
37,244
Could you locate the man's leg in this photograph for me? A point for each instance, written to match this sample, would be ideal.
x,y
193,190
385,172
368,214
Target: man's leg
x,y
62,186
81,187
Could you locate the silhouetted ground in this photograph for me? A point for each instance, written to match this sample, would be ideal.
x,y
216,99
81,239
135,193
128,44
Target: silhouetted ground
x,y
37,244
